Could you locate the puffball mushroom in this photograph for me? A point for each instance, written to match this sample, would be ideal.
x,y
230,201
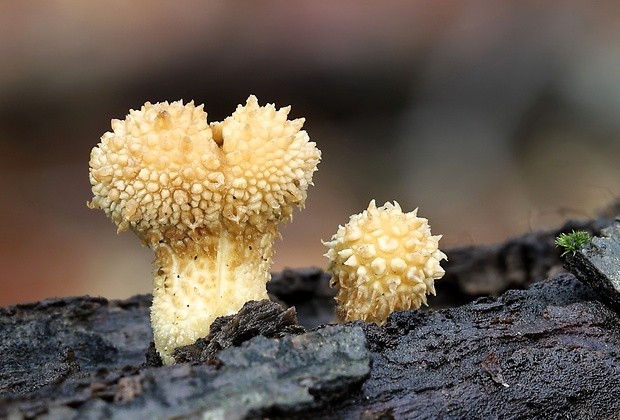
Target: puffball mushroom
x,y
383,261
207,199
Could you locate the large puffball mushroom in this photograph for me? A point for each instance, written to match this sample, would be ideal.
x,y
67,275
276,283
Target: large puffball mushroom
x,y
383,261
207,199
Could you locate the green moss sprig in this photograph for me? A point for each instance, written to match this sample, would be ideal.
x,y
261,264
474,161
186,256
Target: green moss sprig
x,y
572,242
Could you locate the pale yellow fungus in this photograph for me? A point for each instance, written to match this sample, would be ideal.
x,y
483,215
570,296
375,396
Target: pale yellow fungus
x,y
207,199
383,261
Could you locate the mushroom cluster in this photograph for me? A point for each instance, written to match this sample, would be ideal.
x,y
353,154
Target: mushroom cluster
x,y
207,199
383,261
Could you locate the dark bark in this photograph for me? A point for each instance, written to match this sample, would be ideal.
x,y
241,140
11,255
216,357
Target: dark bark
x,y
547,352
552,351
597,263
264,318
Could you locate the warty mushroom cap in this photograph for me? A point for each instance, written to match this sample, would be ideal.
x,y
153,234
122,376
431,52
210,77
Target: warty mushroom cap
x,y
271,163
382,261
160,173
164,172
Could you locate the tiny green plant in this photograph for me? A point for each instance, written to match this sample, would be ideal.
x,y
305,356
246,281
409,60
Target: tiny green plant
x,y
572,242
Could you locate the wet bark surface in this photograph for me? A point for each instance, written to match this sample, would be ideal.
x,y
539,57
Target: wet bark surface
x,y
547,352
550,349
597,263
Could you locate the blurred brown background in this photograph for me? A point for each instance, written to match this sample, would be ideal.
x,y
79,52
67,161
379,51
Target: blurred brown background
x,y
494,118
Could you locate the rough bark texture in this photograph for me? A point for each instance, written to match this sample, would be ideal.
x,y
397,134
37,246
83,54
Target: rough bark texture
x,y
598,264
515,264
264,318
547,352
550,351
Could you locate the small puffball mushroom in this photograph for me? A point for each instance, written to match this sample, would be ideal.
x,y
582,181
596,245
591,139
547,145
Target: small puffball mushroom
x,y
207,200
383,261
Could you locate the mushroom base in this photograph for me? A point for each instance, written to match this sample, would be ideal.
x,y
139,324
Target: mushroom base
x,y
192,289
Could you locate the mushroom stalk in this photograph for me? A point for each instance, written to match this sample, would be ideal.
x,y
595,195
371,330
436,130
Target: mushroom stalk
x,y
191,289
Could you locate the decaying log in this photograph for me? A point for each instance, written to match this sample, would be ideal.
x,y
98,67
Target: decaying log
x,y
549,351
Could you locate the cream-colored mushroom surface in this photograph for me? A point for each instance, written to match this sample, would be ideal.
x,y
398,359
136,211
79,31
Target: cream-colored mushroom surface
x,y
383,261
207,199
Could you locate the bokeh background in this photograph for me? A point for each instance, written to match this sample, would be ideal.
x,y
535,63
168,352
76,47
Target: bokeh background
x,y
494,118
